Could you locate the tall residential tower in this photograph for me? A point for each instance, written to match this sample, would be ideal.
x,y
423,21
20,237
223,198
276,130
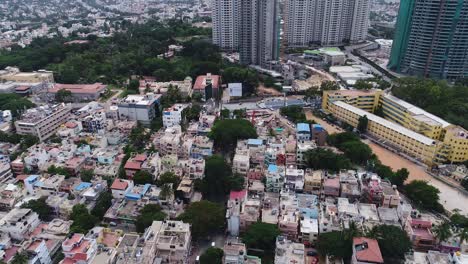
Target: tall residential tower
x,y
226,24
259,32
326,22
431,39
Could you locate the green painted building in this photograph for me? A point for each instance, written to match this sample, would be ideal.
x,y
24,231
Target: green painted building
x,y
431,39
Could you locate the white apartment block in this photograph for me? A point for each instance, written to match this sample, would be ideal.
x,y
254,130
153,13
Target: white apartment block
x,y
140,108
226,24
6,175
173,115
18,223
43,121
326,22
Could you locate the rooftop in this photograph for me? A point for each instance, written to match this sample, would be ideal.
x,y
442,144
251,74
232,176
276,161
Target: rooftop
x,y
79,88
367,250
393,126
203,80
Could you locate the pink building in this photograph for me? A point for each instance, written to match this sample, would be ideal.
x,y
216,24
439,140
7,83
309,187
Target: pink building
x,y
78,249
331,187
420,233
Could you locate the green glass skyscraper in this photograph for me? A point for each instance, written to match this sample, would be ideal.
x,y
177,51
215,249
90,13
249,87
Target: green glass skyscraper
x,y
431,39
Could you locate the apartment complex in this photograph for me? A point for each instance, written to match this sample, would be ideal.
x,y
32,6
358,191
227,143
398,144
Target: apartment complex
x,y
43,121
259,32
412,130
226,23
173,115
431,39
326,22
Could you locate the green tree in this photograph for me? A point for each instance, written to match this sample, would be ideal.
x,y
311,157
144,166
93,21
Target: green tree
x,y
86,175
261,236
399,177
205,218
168,178
58,171
329,85
212,256
63,96
462,235
324,159
133,85
20,258
362,85
192,113
335,244
219,180
394,242
148,214
357,151
83,221
227,132
294,113
15,103
423,194
40,207
225,113
442,232
143,177
379,111
362,124
103,203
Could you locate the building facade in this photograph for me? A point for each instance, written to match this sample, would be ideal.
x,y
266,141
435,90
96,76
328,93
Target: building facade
x,y
43,121
259,32
140,108
226,23
431,39
450,142
326,22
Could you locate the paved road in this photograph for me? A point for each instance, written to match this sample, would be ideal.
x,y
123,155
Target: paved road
x,y
201,247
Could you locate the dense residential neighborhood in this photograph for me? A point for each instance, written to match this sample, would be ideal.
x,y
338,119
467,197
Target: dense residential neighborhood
x,y
231,132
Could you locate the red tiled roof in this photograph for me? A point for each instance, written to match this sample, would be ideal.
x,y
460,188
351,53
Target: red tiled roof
x,y
237,195
22,88
140,157
71,124
369,254
22,177
200,82
73,240
119,184
79,88
132,165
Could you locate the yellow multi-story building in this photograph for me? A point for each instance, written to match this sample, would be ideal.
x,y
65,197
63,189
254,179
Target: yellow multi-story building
x,y
407,141
367,100
451,141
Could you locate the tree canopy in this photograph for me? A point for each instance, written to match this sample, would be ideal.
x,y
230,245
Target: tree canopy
x,y
226,132
63,96
103,203
143,177
133,51
40,206
15,103
83,221
424,195
212,255
148,214
261,236
294,113
324,159
394,242
219,180
205,218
